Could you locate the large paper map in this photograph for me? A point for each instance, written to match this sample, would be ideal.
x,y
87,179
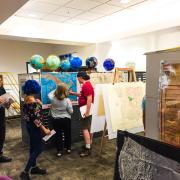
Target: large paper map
x,y
123,105
104,78
119,106
49,81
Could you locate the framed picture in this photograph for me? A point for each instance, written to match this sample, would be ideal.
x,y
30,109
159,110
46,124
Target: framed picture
x,y
30,69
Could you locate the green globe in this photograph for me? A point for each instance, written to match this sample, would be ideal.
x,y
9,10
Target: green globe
x,y
52,62
37,61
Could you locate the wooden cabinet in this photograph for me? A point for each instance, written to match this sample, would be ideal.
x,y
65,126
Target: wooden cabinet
x,y
170,109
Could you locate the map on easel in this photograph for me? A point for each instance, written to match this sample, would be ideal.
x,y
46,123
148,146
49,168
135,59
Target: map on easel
x,y
105,78
122,103
119,106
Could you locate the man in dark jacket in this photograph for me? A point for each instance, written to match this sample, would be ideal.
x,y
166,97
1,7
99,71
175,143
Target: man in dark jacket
x,y
2,126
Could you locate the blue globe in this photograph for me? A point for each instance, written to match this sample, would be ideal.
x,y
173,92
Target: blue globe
x,y
91,62
109,64
75,62
65,65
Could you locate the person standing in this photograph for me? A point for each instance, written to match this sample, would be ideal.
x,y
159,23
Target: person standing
x,y
2,126
86,98
61,110
143,106
32,115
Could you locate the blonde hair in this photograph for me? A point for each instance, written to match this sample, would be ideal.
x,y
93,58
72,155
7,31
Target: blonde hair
x,y
61,91
28,99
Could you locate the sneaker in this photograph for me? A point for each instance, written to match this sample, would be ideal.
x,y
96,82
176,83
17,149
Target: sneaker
x,y
85,152
4,159
24,176
68,151
59,154
37,170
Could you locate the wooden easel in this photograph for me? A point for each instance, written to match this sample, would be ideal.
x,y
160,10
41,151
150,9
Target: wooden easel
x,y
131,78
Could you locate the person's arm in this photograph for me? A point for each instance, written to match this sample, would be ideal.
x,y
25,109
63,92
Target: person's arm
x,y
69,106
2,100
74,93
89,101
39,102
39,124
51,94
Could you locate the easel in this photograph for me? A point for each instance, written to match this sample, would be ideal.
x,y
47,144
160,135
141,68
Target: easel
x,y
131,78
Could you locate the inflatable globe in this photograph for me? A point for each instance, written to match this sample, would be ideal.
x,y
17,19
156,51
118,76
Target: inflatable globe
x,y
75,62
37,61
65,65
52,62
91,62
108,64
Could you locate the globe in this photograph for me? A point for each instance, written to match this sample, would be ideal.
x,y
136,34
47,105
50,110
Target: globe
x,y
37,61
75,62
65,65
52,62
91,62
108,64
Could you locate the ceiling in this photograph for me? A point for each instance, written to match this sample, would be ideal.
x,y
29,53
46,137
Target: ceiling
x,y
88,21
73,11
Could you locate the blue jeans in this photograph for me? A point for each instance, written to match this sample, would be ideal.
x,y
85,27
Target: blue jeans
x,y
35,145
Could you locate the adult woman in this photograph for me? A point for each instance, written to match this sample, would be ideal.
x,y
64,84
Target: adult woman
x,y
61,110
86,98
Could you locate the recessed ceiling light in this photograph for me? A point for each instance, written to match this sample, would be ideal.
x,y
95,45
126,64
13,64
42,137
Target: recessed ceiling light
x,y
125,1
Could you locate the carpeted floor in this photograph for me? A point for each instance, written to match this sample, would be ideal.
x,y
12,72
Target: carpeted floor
x,y
68,167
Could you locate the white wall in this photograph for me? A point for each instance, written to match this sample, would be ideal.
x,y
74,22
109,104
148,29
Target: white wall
x,y
15,54
133,48
81,51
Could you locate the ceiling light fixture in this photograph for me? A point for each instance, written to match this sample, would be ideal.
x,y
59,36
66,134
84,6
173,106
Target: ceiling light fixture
x,y
125,1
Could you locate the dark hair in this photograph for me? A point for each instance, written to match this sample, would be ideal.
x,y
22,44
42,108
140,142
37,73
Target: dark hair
x,y
61,91
83,74
31,87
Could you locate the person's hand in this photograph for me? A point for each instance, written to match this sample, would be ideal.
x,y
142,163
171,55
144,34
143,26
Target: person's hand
x,y
47,131
70,92
38,101
86,114
2,100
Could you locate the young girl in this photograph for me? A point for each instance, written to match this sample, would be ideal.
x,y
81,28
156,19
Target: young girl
x,y
61,110
32,115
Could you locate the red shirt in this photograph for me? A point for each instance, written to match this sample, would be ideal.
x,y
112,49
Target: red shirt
x,y
86,90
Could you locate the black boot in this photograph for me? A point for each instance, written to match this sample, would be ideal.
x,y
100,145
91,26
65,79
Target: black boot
x,y
24,176
37,170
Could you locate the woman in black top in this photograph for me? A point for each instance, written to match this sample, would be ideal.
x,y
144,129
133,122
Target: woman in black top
x,y
2,126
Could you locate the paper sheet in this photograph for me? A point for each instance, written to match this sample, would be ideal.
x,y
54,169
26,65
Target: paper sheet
x,y
47,137
83,110
6,99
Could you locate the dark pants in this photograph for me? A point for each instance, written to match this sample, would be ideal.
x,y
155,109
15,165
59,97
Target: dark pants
x,y
2,129
35,145
62,126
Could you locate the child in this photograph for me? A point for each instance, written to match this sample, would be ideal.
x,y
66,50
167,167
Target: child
x,y
61,110
32,115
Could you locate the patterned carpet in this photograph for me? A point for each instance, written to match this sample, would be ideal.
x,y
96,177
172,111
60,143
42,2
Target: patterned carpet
x,y
68,167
